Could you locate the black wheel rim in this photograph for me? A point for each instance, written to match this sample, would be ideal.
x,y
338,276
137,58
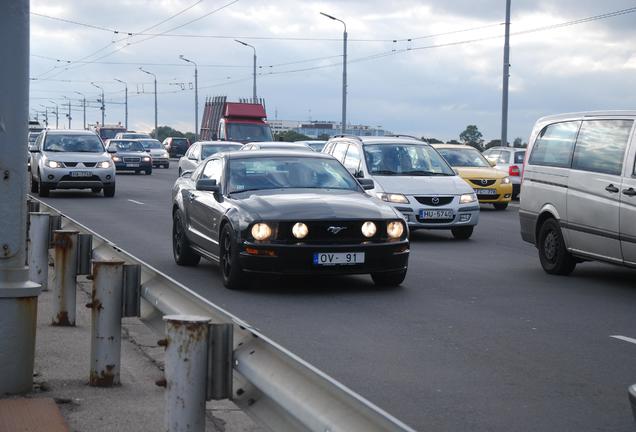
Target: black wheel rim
x,y
227,256
177,236
550,246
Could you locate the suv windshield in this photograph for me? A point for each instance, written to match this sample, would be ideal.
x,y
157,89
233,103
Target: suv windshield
x,y
127,146
209,150
464,157
73,143
151,144
248,132
405,160
286,172
33,136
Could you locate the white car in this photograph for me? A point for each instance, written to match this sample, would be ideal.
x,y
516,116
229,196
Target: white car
x,y
510,161
201,150
159,155
414,178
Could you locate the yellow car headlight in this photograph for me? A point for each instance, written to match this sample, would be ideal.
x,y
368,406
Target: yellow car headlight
x,y
505,180
261,231
395,229
393,198
300,230
368,229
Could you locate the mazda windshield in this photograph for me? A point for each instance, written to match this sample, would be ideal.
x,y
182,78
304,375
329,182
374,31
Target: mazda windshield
x,y
288,172
397,159
464,157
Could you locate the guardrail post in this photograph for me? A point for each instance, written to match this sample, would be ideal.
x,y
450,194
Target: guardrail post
x,y
105,303
38,252
65,243
84,254
220,368
185,369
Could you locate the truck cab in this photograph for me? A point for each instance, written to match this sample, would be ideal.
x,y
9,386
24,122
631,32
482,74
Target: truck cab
x,y
244,122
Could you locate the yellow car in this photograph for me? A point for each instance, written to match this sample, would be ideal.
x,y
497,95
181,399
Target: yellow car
x,y
491,186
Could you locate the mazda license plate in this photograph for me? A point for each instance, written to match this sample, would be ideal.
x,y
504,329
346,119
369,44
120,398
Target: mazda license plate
x,y
436,214
81,174
340,258
486,191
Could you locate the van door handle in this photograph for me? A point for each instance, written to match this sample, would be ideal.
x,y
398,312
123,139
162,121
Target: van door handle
x,y
629,192
611,188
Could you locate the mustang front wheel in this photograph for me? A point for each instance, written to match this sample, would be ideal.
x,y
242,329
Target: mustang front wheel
x,y
231,272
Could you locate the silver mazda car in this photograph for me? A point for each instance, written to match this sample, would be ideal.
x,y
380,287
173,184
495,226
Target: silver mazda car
x,y
67,159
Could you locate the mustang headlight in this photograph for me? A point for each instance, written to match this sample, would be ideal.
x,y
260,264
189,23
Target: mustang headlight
x,y
54,164
467,198
368,229
505,180
393,198
103,164
146,159
395,229
261,231
300,230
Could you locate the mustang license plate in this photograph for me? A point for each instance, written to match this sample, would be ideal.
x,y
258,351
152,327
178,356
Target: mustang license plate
x,y
436,214
81,174
340,258
486,191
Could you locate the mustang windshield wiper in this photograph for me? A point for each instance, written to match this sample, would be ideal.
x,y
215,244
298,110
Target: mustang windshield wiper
x,y
249,190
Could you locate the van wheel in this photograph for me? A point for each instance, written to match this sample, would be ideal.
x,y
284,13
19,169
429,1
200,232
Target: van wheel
x,y
554,257
462,233
500,206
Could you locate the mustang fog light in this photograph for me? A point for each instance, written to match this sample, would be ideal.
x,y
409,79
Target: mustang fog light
x,y
103,164
368,229
261,231
300,230
395,229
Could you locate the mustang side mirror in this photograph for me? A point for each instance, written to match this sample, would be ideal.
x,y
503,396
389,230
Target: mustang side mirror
x,y
367,184
208,185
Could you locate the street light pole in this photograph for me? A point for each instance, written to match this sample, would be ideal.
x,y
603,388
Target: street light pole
x,y
254,98
506,74
69,111
155,77
103,108
344,71
125,101
196,96
56,114
46,115
83,106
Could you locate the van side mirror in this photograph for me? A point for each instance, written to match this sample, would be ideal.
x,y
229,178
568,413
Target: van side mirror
x,y
367,184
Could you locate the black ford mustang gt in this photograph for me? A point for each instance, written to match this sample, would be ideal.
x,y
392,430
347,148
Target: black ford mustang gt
x,y
285,212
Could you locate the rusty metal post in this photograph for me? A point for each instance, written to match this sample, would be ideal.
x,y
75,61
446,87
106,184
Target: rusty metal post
x,y
38,251
108,277
65,287
185,369
55,224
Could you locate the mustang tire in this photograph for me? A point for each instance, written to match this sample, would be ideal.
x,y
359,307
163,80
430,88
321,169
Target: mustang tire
x,y
231,272
181,250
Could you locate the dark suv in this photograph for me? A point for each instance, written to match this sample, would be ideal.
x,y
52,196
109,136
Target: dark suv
x,y
176,146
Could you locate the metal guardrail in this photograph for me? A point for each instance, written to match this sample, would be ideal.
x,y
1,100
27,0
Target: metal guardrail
x,y
275,387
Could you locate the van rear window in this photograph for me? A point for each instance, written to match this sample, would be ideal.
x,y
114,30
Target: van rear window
x,y
554,145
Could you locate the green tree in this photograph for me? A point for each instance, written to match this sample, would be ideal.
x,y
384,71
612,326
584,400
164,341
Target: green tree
x,y
453,141
518,142
432,140
290,136
472,137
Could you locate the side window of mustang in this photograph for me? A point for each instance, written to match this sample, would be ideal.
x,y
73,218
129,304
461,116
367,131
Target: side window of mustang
x,y
212,170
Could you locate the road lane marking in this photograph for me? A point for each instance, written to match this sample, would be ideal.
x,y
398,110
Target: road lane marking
x,y
136,202
624,338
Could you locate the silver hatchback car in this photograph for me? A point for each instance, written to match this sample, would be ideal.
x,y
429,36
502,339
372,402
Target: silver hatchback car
x,y
67,159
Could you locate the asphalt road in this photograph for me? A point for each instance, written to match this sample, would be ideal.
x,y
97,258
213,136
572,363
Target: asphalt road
x,y
478,338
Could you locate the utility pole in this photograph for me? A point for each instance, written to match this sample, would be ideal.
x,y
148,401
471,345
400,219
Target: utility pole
x,y
57,114
103,107
254,98
155,77
506,74
196,96
83,106
69,111
344,71
18,296
126,102
46,115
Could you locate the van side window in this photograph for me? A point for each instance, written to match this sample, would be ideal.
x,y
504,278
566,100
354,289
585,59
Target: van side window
x,y
601,146
554,145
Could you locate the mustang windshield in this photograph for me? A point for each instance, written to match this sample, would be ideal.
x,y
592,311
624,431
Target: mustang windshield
x,y
287,172
209,150
73,143
405,160
464,157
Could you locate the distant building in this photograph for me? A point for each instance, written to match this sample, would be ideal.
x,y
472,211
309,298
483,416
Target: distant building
x,y
279,126
314,129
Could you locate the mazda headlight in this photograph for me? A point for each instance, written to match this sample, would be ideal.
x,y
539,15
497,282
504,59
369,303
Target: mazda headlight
x,y
467,198
368,229
393,198
146,159
103,164
300,230
505,180
395,229
54,164
261,231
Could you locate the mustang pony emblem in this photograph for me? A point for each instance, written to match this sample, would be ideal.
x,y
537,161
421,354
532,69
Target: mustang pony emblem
x,y
335,229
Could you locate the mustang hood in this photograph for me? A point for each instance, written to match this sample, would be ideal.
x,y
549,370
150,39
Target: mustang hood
x,y
306,204
422,185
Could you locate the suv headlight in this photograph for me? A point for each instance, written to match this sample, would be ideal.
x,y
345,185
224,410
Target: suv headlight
x,y
146,159
505,180
261,231
393,198
104,164
467,198
54,164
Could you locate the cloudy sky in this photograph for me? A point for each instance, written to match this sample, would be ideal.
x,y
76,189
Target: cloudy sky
x,y
419,67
